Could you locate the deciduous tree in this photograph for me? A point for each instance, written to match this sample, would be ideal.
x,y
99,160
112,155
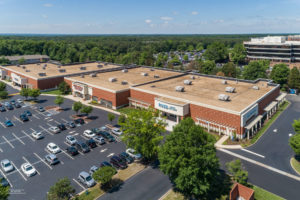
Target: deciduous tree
x,y
34,93
238,53
280,73
217,52
229,69
238,174
255,70
111,117
59,100
294,79
295,143
104,175
77,106
86,109
25,92
64,88
2,86
208,67
61,190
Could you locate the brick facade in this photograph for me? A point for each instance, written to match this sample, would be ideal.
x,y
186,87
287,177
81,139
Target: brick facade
x,y
267,100
142,96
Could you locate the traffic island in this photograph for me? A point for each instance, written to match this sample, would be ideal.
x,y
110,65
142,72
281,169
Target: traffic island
x,y
295,163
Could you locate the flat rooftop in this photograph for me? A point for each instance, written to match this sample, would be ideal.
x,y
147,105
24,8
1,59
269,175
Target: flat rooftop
x,y
132,77
206,90
53,70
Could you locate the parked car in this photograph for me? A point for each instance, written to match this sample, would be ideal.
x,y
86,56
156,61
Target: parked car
x,y
132,153
41,109
17,105
79,121
96,130
86,179
3,181
126,157
105,163
118,162
28,169
8,123
72,151
107,136
53,148
37,135
2,109
89,134
6,166
20,101
6,103
82,147
27,112
104,128
71,140
93,169
91,143
24,118
99,140
71,124
12,102
61,127
51,159
117,131
9,107
54,129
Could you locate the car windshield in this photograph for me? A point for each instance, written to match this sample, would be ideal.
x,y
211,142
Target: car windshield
x,y
54,147
7,164
28,168
54,159
88,178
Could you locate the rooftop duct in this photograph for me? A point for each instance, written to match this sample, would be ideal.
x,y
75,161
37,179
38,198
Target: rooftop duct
x,y
230,89
83,68
224,97
125,70
62,70
156,76
99,66
179,88
124,82
144,74
187,82
224,82
112,79
42,74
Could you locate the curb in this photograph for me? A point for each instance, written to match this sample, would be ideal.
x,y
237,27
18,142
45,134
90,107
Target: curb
x,y
293,166
164,195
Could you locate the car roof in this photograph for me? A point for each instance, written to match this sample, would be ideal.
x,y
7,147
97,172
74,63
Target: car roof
x,y
5,161
84,174
52,156
52,144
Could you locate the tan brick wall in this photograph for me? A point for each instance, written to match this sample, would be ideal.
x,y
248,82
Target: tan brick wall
x,y
102,94
146,97
122,98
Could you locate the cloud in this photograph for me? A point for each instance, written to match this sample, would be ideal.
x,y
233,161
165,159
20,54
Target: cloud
x,y
148,21
45,16
166,18
194,13
219,21
48,5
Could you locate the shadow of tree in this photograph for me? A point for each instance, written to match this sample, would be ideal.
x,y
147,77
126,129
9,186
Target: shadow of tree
x,y
114,186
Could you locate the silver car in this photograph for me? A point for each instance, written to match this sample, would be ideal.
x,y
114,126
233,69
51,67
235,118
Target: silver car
x,y
37,135
54,129
71,140
99,140
86,179
7,166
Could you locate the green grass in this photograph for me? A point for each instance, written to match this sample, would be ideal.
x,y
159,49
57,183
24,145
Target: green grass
x,y
126,110
295,165
93,193
54,92
261,194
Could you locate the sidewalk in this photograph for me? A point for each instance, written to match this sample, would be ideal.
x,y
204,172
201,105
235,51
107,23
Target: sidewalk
x,y
219,144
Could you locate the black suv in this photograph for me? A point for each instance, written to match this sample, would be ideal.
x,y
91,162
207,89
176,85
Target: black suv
x,y
91,143
72,151
61,127
118,162
79,121
81,146
107,136
24,117
126,157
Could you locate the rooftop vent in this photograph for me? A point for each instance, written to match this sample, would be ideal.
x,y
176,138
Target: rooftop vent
x,y
153,86
42,74
224,97
45,65
230,89
255,87
99,66
187,82
93,75
224,82
44,68
83,68
125,70
179,88
193,77
124,82
58,66
156,76
62,70
144,74
112,79
105,63
27,70
38,64
18,65
24,67
151,69
82,75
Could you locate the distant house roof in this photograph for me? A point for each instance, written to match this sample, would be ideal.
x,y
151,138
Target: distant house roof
x,y
240,191
26,57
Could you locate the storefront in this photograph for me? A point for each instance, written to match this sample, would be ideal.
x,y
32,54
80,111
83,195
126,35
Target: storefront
x,y
3,74
18,80
172,111
82,91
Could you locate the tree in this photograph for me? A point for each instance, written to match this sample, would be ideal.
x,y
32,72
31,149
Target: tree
x,y
21,61
59,100
142,131
216,52
186,58
122,119
4,192
3,94
208,67
238,174
104,175
25,92
296,126
77,106
188,157
238,53
111,117
295,143
294,79
34,93
61,190
2,86
86,109
229,69
255,70
280,73
4,61
64,88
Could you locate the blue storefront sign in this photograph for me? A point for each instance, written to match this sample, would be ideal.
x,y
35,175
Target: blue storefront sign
x,y
167,107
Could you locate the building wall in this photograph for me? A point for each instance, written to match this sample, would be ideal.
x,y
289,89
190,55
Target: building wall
x,y
102,94
49,83
267,100
146,97
122,98
30,81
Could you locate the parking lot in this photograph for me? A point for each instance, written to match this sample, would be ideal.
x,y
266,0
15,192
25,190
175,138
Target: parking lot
x,y
18,146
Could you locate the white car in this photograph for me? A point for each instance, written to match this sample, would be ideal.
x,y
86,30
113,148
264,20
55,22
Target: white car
x,y
132,153
89,134
37,135
104,128
71,140
54,129
53,148
19,100
116,131
28,169
7,166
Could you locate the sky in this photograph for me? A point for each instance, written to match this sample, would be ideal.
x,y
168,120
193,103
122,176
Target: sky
x,y
149,16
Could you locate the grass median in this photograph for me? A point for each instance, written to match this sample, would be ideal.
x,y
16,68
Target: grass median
x,y
296,165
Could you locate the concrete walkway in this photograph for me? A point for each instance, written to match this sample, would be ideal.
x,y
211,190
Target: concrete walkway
x,y
219,144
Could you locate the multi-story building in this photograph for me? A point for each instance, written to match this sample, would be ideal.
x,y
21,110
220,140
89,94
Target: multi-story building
x,y
28,59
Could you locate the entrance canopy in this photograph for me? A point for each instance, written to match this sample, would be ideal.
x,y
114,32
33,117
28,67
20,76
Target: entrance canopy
x,y
271,106
253,122
281,97
171,106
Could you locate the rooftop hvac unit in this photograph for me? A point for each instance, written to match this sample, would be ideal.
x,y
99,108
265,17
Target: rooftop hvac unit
x,y
105,63
153,86
27,70
45,65
230,89
224,82
112,79
24,67
151,69
44,68
18,65
156,76
82,75
255,87
58,66
193,77
42,74
99,66
144,74
179,88
124,82
224,97
125,70
93,75
83,68
62,70
187,82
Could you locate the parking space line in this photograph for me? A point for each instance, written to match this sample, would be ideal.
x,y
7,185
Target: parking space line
x,y
33,130
79,184
18,171
30,164
18,138
67,154
111,154
62,162
8,142
1,150
67,143
257,154
3,125
72,132
43,161
103,150
6,118
46,130
49,124
64,120
56,122
18,119
50,120
28,135
11,185
36,116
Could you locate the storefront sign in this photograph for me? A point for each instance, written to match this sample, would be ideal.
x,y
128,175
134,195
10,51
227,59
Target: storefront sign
x,y
250,113
168,107
82,89
18,80
179,110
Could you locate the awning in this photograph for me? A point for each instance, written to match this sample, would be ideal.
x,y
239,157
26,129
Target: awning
x,y
270,106
253,122
281,96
